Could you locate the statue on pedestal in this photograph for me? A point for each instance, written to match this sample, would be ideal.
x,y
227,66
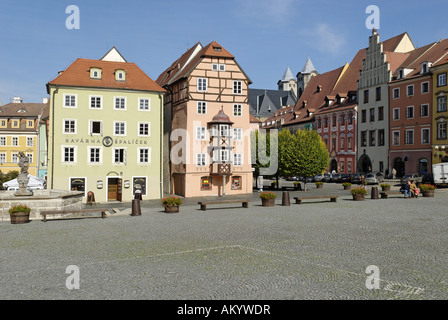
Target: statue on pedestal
x,y
24,164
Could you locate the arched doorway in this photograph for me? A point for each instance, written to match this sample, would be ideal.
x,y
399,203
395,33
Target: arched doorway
x,y
364,164
398,165
334,165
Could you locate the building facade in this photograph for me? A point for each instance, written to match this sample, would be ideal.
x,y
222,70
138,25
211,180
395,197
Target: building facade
x,y
209,136
19,124
439,110
104,130
380,63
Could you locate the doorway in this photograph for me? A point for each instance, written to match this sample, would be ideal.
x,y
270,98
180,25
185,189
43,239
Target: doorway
x,y
114,189
399,166
334,165
364,164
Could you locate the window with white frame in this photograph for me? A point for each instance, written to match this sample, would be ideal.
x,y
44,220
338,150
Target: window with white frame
x,y
143,129
144,104
119,155
410,112
409,137
410,90
202,107
29,141
120,103
95,102
441,130
15,141
396,114
96,127
94,155
224,155
425,136
237,110
202,84
424,110
120,128
200,159
237,133
2,141
237,87
441,80
2,157
237,159
396,138
30,157
200,133
396,93
70,126
223,130
144,155
14,157
70,101
69,154
218,67
425,87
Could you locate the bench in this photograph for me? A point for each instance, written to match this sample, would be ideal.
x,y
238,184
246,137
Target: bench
x,y
385,194
299,200
204,204
78,213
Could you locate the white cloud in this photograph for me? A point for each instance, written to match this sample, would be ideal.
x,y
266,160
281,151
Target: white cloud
x,y
324,38
267,12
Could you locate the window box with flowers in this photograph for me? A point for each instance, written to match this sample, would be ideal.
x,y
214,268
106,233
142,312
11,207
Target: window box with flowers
x,y
172,204
20,214
359,193
268,199
427,190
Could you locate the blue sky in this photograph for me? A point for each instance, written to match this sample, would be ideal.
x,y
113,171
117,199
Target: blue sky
x,y
265,36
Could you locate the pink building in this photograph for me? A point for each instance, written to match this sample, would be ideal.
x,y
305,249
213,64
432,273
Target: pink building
x,y
207,124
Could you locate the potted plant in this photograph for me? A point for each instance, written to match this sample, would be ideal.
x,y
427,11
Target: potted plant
x,y
427,190
319,184
358,193
20,214
347,185
385,186
268,199
171,204
297,185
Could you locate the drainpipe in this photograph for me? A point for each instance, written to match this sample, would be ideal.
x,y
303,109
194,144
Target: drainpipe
x,y
52,138
161,144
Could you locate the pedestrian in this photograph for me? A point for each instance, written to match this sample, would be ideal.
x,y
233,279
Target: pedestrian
x,y
364,182
407,190
414,189
394,173
138,192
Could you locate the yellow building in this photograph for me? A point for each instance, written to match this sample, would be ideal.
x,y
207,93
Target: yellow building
x,y
440,113
19,132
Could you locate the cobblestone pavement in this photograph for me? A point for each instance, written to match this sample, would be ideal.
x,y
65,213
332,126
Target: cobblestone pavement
x,y
317,250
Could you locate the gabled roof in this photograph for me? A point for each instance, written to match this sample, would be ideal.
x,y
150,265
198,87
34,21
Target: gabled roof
x,y
183,66
392,44
113,55
78,75
263,100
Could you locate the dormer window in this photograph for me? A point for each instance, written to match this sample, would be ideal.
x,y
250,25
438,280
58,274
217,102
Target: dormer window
x,y
425,67
319,88
120,75
95,73
217,49
400,74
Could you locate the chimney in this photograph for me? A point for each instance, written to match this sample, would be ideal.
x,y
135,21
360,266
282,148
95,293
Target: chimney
x,y
17,100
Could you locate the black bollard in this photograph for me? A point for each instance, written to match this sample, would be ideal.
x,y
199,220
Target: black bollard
x,y
136,208
285,199
374,193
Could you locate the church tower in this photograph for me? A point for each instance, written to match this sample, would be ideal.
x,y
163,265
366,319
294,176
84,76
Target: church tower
x,y
304,77
288,82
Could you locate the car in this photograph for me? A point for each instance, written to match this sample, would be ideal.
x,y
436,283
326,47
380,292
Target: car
x,y
308,179
327,177
345,177
414,176
335,177
356,177
295,178
318,177
374,178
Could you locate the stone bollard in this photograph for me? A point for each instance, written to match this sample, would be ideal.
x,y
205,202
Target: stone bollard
x,y
374,192
285,199
136,211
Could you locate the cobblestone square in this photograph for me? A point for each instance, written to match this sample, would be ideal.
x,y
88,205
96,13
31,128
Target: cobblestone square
x,y
316,250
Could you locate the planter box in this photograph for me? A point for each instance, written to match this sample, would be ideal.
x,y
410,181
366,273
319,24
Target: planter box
x,y
319,186
428,193
385,188
359,197
347,187
20,217
173,209
268,202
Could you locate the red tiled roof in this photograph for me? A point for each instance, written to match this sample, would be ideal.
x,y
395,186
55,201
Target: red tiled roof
x,y
78,75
